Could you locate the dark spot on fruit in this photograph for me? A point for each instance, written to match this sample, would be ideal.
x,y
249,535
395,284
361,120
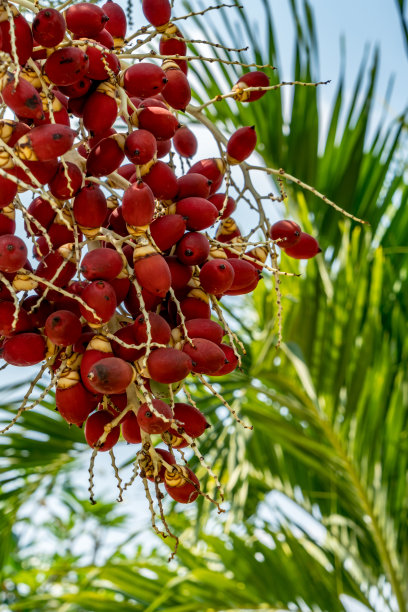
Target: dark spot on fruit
x,y
67,60
10,247
57,136
31,102
188,253
221,266
148,414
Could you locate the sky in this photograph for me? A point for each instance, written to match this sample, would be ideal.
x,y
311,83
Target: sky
x,y
361,23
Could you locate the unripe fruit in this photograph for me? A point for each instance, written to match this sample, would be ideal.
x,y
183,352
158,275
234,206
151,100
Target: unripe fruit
x,y
241,144
104,264
206,356
306,247
168,365
138,204
85,19
217,276
94,429
185,142
49,27
286,233
111,375
182,484
66,66
63,328
193,249
144,80
131,429
24,349
101,297
251,79
140,147
205,328
167,230
157,12
149,422
45,142
199,212
13,253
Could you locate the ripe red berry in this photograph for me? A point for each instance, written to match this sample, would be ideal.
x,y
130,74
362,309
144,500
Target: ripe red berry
x,y
287,233
13,253
168,365
23,38
176,92
241,144
192,184
90,207
7,316
199,212
205,328
101,297
159,121
217,276
144,80
152,273
251,79
66,182
306,247
74,403
117,23
167,230
45,142
23,99
63,328
131,429
85,19
111,375
193,249
140,147
66,66
162,181
24,349
157,12
95,427
138,204
104,264
207,357
185,142
181,484
150,422
49,27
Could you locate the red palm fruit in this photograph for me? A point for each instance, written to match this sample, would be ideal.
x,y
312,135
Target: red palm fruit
x,y
63,328
37,314
76,107
199,212
153,101
167,230
7,220
213,169
58,234
251,79
49,27
85,19
180,273
157,12
23,38
159,121
168,365
132,302
176,92
103,264
77,89
185,142
258,256
217,276
61,260
8,191
100,296
138,204
169,45
90,207
162,181
244,273
24,349
81,344
23,99
223,202
111,375
149,421
43,171
194,308
144,80
66,182
45,142
168,458
151,271
5,293
227,230
128,354
66,66
243,290
193,249
121,287
8,314
140,147
95,427
163,148
127,171
13,253
74,402
159,329
182,484
101,109
286,232
105,39
117,23
205,328
193,185
106,156
207,357
241,144
231,361
131,429
119,401
193,421
306,247
11,131
100,61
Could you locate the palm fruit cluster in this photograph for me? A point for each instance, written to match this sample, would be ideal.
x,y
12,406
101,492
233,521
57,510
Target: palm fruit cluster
x,y
131,257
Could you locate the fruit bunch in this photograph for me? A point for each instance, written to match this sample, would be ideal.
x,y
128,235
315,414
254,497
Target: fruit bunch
x,y
132,253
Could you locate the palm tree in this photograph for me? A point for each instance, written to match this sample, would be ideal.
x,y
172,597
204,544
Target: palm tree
x,y
318,491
